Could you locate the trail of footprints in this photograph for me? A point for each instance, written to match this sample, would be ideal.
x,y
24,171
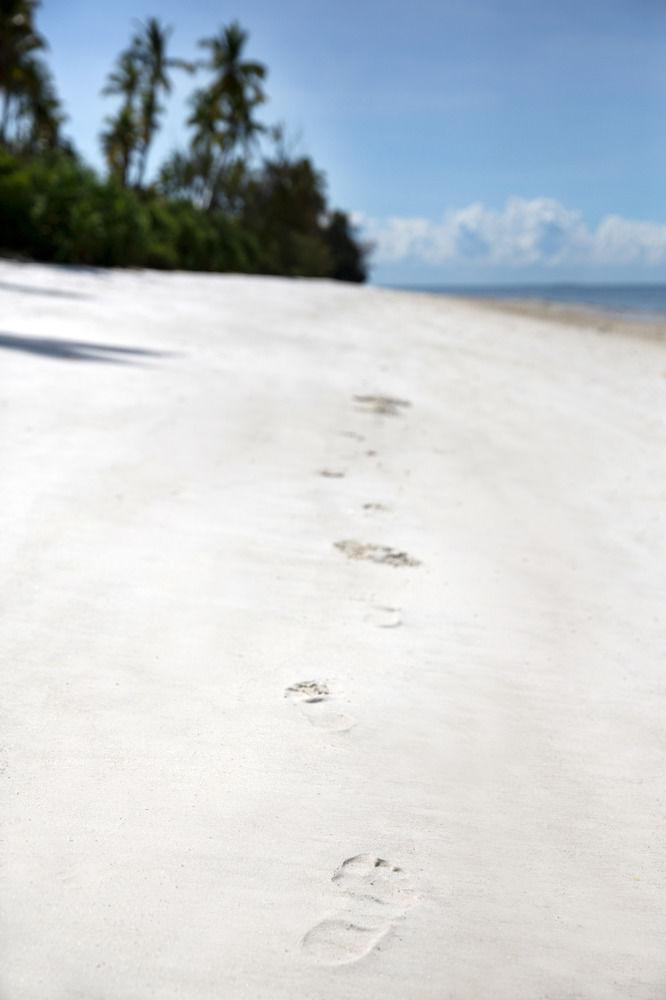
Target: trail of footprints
x,y
371,894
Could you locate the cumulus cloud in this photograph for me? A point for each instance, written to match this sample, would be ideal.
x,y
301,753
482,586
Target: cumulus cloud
x,y
526,232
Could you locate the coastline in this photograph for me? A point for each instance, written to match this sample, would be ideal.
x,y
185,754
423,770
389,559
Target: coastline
x,y
588,317
651,325
332,633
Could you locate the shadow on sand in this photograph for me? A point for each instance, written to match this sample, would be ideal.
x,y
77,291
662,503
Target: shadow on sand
x,y
77,350
54,293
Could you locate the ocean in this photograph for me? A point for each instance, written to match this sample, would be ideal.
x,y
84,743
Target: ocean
x,y
646,302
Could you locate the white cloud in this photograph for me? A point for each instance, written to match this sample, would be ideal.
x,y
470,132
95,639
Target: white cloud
x,y
526,232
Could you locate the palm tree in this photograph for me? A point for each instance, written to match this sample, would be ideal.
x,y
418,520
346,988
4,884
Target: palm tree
x,y
140,77
121,139
223,119
42,107
211,148
205,120
18,42
124,80
150,45
237,84
119,143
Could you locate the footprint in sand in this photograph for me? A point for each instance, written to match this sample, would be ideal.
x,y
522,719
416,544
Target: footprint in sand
x,y
388,406
376,553
314,700
373,895
384,616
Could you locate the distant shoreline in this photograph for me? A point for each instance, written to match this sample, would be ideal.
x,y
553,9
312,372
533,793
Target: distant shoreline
x,y
641,300
596,315
603,320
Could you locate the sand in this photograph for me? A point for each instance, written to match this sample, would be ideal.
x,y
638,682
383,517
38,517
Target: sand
x,y
332,639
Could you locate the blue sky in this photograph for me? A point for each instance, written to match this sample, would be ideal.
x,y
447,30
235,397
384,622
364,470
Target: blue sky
x,y
477,140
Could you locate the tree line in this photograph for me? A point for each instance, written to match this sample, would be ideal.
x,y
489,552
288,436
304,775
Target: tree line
x,y
232,198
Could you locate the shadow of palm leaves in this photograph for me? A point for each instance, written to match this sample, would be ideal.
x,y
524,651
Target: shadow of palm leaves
x,y
77,350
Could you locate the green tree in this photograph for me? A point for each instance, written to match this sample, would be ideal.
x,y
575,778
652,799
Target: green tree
x,y
121,138
150,45
237,85
285,207
30,115
42,108
141,79
223,123
18,40
348,256
119,143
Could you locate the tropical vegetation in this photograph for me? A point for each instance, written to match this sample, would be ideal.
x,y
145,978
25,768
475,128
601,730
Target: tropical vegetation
x,y
232,198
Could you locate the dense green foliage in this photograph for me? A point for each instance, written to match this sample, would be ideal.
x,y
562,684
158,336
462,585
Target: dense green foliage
x,y
220,204
54,209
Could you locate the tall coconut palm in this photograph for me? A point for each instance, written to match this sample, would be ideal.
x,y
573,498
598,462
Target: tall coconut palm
x,y
125,78
212,147
205,120
119,143
150,45
42,108
19,40
120,140
237,83
223,121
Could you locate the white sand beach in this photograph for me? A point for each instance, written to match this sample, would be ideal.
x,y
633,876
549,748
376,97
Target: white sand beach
x,y
332,645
